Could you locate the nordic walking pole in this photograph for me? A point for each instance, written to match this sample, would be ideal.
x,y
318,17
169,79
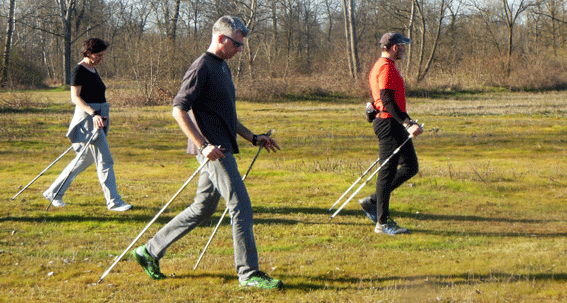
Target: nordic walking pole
x,y
71,171
152,221
226,209
371,176
40,174
355,182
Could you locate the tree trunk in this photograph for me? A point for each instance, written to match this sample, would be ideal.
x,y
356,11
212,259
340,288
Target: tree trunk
x,y
330,17
250,23
8,45
511,17
510,25
410,35
421,54
510,44
347,37
66,12
353,41
172,24
274,44
423,72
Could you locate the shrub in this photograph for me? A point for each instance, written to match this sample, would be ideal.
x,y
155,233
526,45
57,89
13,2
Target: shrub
x,y
23,73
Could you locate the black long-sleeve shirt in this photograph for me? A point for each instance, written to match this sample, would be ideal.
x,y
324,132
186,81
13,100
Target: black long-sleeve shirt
x,y
389,102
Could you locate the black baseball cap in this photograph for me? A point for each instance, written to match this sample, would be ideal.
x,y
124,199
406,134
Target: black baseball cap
x,y
392,38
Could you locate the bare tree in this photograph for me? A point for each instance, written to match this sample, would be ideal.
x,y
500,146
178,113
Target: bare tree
x,y
173,22
288,17
66,9
504,12
71,14
8,43
329,10
512,10
167,16
351,38
423,69
251,14
410,29
289,37
548,22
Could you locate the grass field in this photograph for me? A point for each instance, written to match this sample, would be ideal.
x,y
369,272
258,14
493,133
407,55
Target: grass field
x,y
487,210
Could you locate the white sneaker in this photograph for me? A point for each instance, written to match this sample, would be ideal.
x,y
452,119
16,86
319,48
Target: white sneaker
x,y
58,202
120,207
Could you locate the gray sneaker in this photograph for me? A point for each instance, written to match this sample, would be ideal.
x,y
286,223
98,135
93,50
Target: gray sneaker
x,y
390,228
369,208
58,202
120,207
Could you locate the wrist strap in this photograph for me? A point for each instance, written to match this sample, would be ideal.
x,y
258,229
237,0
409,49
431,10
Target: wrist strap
x,y
410,124
203,147
254,140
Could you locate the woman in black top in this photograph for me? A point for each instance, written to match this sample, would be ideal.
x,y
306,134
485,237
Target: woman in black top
x,y
91,116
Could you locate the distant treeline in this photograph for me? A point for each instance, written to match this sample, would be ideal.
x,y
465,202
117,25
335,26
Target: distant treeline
x,y
316,46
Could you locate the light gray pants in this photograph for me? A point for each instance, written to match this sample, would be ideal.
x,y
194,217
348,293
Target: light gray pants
x,y
218,178
97,152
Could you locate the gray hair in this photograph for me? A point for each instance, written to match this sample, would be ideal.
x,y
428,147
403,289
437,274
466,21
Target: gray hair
x,y
228,25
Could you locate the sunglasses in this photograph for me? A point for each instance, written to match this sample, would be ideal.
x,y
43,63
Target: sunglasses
x,y
236,43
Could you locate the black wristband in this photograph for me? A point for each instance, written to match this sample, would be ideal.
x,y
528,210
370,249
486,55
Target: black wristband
x,y
97,113
203,147
410,124
254,140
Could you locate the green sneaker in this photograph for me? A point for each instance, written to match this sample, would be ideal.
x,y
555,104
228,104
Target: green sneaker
x,y
261,280
148,263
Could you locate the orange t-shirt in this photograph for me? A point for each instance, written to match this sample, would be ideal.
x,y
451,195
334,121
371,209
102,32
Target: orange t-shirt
x,y
385,75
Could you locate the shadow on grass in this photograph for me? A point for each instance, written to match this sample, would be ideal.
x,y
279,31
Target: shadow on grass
x,y
437,280
59,217
53,217
409,215
227,277
491,234
430,217
65,218
38,109
139,219
325,282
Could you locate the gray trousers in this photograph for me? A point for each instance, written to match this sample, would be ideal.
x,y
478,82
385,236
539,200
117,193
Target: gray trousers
x,y
80,130
218,178
97,152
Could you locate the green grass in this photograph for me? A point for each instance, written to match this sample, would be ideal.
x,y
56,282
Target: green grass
x,y
486,211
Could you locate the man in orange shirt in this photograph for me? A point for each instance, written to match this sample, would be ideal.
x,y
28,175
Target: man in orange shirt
x,y
392,126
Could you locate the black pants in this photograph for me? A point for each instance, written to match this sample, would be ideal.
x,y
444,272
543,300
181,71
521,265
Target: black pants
x,y
392,134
